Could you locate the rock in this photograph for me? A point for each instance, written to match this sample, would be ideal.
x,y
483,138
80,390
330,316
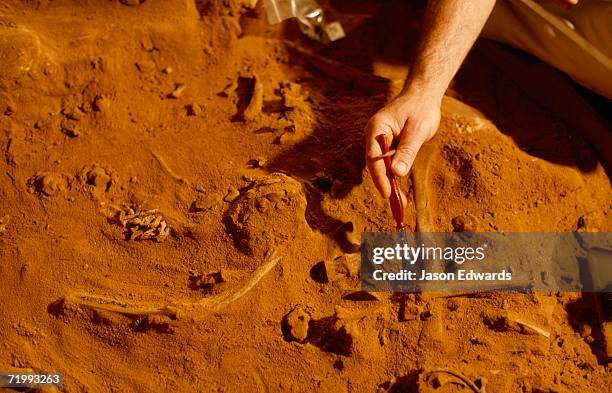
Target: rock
x,y
292,94
101,104
347,238
585,330
497,321
463,224
178,91
254,107
231,24
147,43
342,333
439,380
157,323
452,305
249,4
70,128
209,282
49,183
194,110
145,65
228,89
97,176
258,162
296,324
232,194
72,112
361,296
411,312
344,266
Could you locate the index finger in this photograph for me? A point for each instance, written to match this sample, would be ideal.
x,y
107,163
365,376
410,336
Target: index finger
x,y
376,166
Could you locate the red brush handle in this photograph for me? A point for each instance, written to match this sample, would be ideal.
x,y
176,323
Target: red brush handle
x,y
395,200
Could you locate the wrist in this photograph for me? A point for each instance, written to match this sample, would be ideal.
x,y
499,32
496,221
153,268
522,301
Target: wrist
x,y
421,91
422,81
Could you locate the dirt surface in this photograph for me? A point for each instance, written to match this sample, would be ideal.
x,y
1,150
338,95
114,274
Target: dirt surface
x,y
173,174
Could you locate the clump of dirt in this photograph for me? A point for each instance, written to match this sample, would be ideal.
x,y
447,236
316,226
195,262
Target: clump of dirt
x,y
237,149
49,183
266,213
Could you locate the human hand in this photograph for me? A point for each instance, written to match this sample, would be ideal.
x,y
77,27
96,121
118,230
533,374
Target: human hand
x,y
413,118
566,3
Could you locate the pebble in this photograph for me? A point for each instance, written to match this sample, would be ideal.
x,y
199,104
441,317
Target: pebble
x,y
101,104
70,129
145,65
232,194
72,133
178,91
207,282
585,330
258,162
49,183
72,112
439,380
194,110
147,44
255,106
411,312
463,224
296,324
452,305
344,266
348,238
98,177
158,323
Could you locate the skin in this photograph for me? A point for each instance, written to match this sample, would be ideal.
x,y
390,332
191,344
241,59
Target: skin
x,y
450,28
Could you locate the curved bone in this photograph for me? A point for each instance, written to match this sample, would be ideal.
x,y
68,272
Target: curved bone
x,y
179,307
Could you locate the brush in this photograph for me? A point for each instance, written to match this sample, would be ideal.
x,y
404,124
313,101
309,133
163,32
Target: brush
x,y
395,200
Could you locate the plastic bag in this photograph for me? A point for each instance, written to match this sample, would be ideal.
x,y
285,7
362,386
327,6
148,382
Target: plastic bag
x,y
310,17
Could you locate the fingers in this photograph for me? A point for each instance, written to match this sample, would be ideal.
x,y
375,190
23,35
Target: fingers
x,y
406,151
376,166
566,3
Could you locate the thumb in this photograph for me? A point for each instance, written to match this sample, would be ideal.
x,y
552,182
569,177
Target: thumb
x,y
406,151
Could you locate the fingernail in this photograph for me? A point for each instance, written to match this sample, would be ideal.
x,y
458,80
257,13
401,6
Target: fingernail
x,y
400,168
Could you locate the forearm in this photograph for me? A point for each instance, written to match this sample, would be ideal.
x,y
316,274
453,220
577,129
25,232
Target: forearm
x,y
449,30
